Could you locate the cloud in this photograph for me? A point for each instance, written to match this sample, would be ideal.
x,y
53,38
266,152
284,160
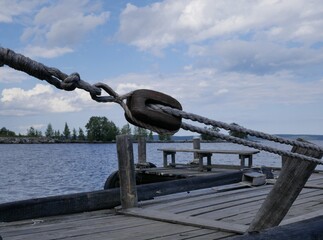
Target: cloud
x,y
43,52
60,25
41,98
251,36
162,24
9,75
10,9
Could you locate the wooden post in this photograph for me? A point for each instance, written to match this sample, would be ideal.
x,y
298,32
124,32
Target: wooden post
x,y
128,191
142,150
196,145
290,183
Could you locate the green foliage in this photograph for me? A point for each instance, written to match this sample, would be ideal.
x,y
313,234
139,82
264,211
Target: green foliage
x,y
101,129
164,137
81,135
32,132
6,133
150,136
237,134
67,132
126,129
49,131
210,137
138,131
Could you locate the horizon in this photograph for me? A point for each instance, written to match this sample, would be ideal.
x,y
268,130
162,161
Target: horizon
x,y
256,63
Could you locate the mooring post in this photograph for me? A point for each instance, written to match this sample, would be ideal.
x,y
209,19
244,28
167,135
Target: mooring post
x,y
290,183
128,191
196,145
142,150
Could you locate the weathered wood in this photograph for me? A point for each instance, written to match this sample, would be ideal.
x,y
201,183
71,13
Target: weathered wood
x,y
142,150
304,230
105,199
190,221
196,145
128,191
201,153
291,181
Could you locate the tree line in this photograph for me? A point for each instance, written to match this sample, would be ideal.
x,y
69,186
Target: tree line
x,y
101,129
97,129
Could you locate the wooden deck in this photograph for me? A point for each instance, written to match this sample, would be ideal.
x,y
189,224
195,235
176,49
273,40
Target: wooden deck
x,y
213,213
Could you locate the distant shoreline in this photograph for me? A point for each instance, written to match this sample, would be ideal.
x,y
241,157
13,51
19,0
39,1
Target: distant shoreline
x,y
176,139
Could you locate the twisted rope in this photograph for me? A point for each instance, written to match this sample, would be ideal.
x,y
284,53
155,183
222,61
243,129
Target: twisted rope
x,y
232,127
70,82
247,143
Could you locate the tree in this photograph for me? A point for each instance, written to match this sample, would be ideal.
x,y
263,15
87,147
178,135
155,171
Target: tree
x,y
237,133
67,132
74,134
126,129
32,132
101,129
150,136
208,137
164,137
138,131
49,131
81,134
6,133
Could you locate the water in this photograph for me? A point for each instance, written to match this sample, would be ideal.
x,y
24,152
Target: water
x,y
40,170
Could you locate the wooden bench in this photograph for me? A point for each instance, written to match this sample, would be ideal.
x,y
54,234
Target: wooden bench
x,y
202,153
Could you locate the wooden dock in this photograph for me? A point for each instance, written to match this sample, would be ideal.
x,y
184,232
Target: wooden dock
x,y
214,213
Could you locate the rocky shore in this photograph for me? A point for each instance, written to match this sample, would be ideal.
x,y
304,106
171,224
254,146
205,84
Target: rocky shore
x,y
26,140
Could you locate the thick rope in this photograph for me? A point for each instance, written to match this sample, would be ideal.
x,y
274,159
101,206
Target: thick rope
x,y
69,82
233,127
251,144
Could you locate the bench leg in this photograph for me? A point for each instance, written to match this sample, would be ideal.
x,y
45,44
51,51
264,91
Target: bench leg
x,y
165,159
209,163
242,163
173,160
200,162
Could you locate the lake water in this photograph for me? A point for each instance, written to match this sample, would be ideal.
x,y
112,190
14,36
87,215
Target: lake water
x,y
40,170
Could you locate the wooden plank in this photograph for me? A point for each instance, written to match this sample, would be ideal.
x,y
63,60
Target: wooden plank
x,y
243,152
190,221
292,179
211,203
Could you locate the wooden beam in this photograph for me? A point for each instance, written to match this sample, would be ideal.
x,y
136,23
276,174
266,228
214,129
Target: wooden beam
x,y
291,181
105,199
184,220
142,150
127,176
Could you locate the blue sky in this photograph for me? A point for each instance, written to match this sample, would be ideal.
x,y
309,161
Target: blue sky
x,y
255,63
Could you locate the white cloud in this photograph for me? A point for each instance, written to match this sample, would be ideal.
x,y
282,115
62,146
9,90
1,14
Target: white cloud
x,y
41,98
60,25
9,75
162,24
9,9
258,36
36,51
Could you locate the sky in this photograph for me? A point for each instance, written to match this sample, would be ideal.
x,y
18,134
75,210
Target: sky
x,y
257,63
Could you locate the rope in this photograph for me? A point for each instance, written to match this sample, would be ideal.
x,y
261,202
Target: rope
x,y
232,127
70,82
244,142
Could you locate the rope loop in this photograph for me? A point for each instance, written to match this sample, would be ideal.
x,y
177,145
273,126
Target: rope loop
x,y
71,82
